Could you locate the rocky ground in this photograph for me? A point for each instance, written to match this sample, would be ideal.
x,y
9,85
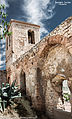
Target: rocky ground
x,y
22,109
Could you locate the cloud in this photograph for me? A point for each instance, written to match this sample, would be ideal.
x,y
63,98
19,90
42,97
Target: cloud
x,y
2,42
2,54
39,11
36,12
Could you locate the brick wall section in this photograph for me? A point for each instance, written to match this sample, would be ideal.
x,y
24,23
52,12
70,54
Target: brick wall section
x,y
65,28
43,67
2,77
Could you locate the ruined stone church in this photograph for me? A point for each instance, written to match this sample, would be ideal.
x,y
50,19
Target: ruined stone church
x,y
40,66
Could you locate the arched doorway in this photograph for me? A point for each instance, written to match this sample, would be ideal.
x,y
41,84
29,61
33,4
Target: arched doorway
x,y
23,82
8,80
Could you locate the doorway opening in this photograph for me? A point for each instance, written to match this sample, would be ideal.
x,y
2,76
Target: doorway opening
x,y
23,82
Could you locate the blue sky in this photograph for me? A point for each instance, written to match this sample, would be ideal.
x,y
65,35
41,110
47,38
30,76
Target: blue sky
x,y
46,13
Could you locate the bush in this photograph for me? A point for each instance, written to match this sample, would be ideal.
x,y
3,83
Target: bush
x,y
7,94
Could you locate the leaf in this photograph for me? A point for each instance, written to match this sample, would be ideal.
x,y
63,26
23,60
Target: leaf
x,y
0,26
7,85
5,94
0,12
1,37
9,33
5,23
2,21
3,6
0,7
3,85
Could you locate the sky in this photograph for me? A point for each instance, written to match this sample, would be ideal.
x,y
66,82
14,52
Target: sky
x,y
46,13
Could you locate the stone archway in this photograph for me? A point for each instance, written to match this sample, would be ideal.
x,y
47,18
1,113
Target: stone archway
x,y
40,99
57,66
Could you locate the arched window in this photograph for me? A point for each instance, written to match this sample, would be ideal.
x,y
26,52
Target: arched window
x,y
39,74
8,80
31,38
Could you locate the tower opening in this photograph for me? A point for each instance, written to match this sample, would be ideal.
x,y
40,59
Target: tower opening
x,y
31,38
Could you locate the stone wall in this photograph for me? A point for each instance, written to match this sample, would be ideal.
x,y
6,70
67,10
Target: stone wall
x,y
18,42
41,71
65,28
2,77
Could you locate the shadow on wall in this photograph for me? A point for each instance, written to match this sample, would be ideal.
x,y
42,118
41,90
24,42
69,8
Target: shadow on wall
x,y
40,98
23,82
54,69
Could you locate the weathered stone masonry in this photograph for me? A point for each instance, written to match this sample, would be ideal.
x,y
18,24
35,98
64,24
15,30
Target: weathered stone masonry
x,y
41,70
24,36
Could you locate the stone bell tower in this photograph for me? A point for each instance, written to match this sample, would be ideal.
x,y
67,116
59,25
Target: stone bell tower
x,y
24,37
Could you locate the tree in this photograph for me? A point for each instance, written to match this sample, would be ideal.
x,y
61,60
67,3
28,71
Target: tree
x,y
3,23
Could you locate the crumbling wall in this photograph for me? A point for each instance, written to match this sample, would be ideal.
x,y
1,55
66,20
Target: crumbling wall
x,y
57,67
65,28
45,66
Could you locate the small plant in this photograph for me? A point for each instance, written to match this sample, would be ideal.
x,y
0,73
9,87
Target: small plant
x,y
66,96
7,94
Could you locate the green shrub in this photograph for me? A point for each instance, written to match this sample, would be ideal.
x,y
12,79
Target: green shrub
x,y
7,94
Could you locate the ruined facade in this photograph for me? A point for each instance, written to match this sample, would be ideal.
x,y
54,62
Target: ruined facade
x,y
40,67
